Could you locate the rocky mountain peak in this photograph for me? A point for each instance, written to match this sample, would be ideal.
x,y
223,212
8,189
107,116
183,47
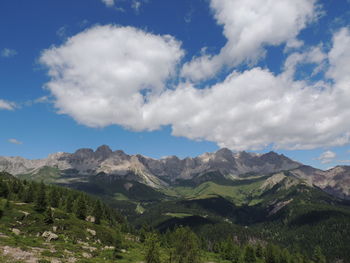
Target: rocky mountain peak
x,y
224,153
83,153
103,151
272,157
244,155
171,158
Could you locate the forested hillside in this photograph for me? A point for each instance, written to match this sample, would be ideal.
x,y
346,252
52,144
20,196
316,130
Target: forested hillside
x,y
45,223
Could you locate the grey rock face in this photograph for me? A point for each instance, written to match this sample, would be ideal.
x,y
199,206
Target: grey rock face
x,y
89,162
335,181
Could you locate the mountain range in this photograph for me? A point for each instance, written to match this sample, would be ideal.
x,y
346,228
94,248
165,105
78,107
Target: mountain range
x,y
169,171
267,197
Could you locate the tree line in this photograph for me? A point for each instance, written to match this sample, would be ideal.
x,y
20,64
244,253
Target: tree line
x,y
45,197
182,245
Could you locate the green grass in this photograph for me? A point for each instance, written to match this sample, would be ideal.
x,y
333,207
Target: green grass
x,y
6,259
178,215
139,209
120,197
239,194
46,174
70,230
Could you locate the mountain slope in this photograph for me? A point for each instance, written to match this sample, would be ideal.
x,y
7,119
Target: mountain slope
x,y
281,208
335,181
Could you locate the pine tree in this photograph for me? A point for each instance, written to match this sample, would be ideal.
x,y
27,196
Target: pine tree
x,y
40,201
230,251
285,256
153,249
259,251
80,208
249,254
118,244
48,219
54,197
28,195
16,186
297,258
69,203
8,205
97,212
143,232
4,190
186,248
318,255
271,255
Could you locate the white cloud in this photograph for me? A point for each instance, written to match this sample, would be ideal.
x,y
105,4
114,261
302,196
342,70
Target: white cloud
x,y
256,108
103,75
7,52
42,99
249,26
62,32
116,75
293,44
15,141
327,157
136,5
108,3
339,59
189,15
7,105
313,55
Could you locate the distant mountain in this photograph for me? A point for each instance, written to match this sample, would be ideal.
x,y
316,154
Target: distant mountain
x,y
335,181
171,170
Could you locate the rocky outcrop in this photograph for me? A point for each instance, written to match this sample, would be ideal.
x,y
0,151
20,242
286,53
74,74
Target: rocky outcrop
x,y
49,236
16,231
335,181
91,231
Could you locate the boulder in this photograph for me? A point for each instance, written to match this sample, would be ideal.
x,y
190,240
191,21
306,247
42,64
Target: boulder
x,y
16,231
108,248
86,255
49,236
91,231
90,219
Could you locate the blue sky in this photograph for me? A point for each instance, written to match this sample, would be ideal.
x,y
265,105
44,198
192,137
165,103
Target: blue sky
x,y
161,77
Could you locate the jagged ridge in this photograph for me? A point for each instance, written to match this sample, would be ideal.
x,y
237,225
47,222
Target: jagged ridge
x,y
162,172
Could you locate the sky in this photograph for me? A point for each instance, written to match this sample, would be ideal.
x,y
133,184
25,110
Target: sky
x,y
184,77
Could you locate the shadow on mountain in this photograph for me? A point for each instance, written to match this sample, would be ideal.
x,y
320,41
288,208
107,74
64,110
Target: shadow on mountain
x,y
242,215
315,217
190,221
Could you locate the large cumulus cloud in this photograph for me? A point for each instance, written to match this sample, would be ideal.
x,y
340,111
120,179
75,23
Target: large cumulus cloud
x,y
249,26
121,75
102,76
